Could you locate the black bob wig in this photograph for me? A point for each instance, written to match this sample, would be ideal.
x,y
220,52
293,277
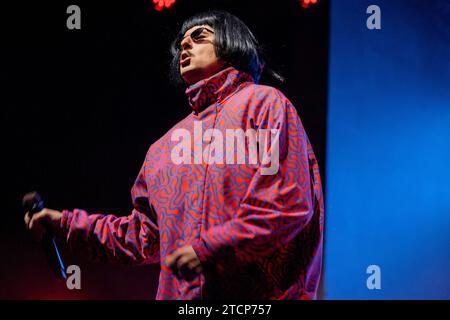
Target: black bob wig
x,y
234,43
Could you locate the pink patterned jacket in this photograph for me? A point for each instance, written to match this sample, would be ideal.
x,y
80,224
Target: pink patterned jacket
x,y
258,236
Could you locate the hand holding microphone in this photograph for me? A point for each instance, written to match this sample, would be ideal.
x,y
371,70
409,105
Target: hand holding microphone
x,y
37,223
43,223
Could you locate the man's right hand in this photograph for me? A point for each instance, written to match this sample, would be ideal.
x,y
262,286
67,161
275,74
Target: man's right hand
x,y
35,223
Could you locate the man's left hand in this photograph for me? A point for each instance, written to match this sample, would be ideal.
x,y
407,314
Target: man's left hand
x,y
184,262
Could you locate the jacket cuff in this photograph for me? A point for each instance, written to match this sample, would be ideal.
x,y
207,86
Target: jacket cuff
x,y
203,254
64,224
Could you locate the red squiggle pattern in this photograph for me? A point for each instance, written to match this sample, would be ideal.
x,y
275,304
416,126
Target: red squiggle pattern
x,y
258,236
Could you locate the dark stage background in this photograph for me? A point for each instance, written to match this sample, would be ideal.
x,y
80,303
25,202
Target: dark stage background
x,y
80,108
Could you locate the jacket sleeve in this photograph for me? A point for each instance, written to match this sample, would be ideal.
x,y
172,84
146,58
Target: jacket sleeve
x,y
275,207
132,239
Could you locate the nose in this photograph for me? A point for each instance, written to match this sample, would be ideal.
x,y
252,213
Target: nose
x,y
186,43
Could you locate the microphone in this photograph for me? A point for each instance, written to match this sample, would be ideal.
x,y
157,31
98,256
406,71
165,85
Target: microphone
x,y
32,203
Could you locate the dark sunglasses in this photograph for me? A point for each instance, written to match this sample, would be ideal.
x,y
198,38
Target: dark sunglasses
x,y
196,35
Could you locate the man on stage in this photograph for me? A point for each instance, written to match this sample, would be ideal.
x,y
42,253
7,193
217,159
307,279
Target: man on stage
x,y
221,224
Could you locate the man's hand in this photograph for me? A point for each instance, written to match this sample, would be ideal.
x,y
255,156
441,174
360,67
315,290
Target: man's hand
x,y
184,263
35,223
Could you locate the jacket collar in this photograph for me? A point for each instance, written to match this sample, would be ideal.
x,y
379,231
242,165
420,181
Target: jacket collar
x,y
215,88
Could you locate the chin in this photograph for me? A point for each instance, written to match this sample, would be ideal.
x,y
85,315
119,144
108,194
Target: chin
x,y
189,74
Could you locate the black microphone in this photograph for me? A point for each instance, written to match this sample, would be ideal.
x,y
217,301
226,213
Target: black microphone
x,y
32,203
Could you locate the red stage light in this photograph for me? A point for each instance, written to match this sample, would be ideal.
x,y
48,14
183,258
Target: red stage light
x,y
307,3
163,4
